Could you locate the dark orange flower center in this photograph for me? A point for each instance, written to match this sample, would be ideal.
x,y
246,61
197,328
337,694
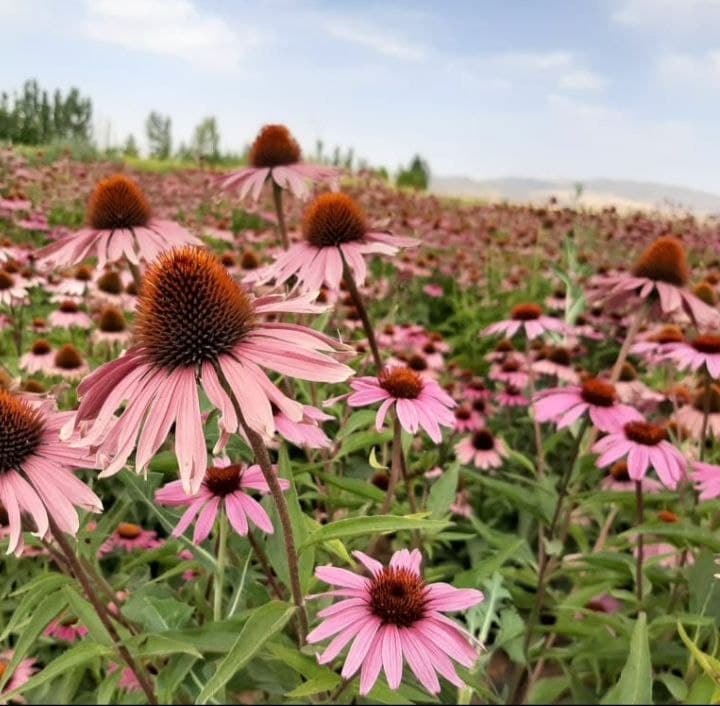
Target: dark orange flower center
x,y
190,309
402,383
21,430
664,261
526,312
333,219
479,406
417,362
706,293
398,597
112,320
83,273
706,343
69,307
598,393
619,471
505,345
628,373
6,280
249,260
223,481
68,357
708,398
463,413
645,433
669,334
118,202
110,283
41,347
483,440
33,386
559,356
274,147
668,516
128,530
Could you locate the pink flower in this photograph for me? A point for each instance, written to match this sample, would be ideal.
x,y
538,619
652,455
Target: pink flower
x,y
307,433
702,351
68,630
129,537
419,402
69,316
565,405
483,449
36,470
528,318
275,155
40,359
120,226
192,321
20,676
394,616
645,446
224,486
706,477
434,290
12,290
335,231
511,397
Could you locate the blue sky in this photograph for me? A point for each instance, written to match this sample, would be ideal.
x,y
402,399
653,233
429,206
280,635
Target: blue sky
x,y
572,89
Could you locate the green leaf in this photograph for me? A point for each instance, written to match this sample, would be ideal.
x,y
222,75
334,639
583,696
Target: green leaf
x,y
442,492
362,419
162,646
635,684
87,616
265,622
157,613
362,440
80,654
710,665
314,686
367,526
356,486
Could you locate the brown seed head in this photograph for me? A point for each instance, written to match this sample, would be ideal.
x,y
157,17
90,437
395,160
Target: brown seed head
x,y
398,597
333,219
21,430
274,147
117,203
401,382
664,261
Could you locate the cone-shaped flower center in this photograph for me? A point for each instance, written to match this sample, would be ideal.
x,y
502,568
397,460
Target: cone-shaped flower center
x,y
83,274
598,393
223,481
128,530
619,471
40,347
669,334
705,292
526,312
21,429
249,260
483,440
462,413
274,147
709,399
417,362
112,320
333,219
190,310
6,281
664,261
645,433
505,345
68,357
628,373
707,343
476,385
402,383
479,406
110,283
560,356
118,202
510,366
398,597
69,307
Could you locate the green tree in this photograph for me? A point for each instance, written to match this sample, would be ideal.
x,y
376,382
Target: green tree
x,y
206,140
159,135
416,176
130,148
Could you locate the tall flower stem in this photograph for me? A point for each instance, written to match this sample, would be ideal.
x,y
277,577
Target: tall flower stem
x,y
263,459
277,199
360,306
102,611
536,424
396,466
640,542
706,417
136,275
629,338
220,572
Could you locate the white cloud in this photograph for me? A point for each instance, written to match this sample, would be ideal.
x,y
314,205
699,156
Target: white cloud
x,y
582,80
686,69
531,61
376,40
669,16
169,27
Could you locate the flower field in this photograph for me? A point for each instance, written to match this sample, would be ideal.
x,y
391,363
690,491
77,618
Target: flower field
x,y
286,434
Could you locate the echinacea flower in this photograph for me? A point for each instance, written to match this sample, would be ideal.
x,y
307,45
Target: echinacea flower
x,y
645,446
691,417
701,352
225,486
335,231
12,290
706,477
194,323
120,225
36,469
66,629
129,537
598,398
112,328
39,359
20,676
528,318
483,449
69,316
275,155
68,363
419,402
661,272
391,617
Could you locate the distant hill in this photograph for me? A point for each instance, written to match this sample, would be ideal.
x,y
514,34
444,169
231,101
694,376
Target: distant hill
x,y
596,193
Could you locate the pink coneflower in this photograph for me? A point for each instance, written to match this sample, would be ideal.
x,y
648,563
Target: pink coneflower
x,y
69,316
565,405
36,469
419,402
334,230
68,363
557,363
618,480
701,351
20,676
482,449
192,321
12,290
120,225
39,359
691,416
225,486
476,390
275,155
434,290
467,419
528,318
512,372
661,272
66,629
307,433
706,477
511,397
112,328
653,346
645,446
129,537
393,616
